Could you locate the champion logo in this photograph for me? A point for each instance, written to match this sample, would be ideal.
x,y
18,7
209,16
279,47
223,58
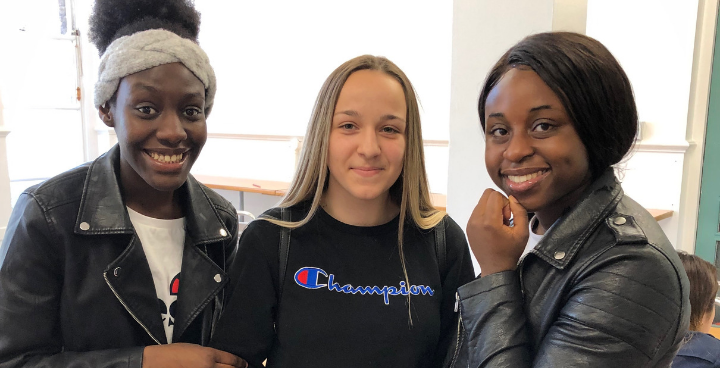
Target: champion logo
x,y
310,278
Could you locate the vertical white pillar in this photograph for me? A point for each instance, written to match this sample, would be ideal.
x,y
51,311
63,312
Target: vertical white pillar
x,y
4,176
482,32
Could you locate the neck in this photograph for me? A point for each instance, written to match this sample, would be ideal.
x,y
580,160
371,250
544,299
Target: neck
x,y
706,323
147,200
360,212
548,215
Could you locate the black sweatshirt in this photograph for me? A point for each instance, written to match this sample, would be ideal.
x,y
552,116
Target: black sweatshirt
x,y
344,301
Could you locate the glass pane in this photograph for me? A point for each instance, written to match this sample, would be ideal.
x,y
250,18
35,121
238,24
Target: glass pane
x,y
44,143
48,17
41,73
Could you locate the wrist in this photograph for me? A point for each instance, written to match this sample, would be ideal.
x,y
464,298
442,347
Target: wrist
x,y
493,268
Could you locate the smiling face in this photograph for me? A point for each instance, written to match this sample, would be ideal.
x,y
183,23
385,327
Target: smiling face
x,y
367,138
159,120
532,150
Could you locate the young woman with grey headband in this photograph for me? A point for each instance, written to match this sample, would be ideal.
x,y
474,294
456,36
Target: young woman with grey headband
x,y
121,261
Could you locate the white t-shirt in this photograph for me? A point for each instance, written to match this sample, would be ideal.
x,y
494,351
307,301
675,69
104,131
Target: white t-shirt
x,y
533,239
162,241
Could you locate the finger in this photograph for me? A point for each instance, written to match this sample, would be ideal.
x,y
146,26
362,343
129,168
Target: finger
x,y
507,213
223,357
495,207
221,365
520,216
479,210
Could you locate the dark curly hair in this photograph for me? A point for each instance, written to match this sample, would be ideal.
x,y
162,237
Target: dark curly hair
x,y
589,82
112,19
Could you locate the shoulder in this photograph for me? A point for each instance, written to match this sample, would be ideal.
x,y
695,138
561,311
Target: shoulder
x,y
702,346
454,234
451,226
218,202
61,189
297,212
639,241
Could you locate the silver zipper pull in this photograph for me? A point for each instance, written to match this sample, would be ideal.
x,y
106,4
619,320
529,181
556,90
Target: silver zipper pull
x,y
457,301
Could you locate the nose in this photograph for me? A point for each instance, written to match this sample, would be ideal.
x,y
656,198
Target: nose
x,y
170,129
518,147
369,145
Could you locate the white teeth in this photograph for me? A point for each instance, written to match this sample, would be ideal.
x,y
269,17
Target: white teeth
x,y
172,159
523,178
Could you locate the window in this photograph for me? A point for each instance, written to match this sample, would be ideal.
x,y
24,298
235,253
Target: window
x,y
40,80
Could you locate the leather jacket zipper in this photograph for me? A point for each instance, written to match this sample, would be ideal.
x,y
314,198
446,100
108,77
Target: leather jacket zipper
x,y
128,309
458,341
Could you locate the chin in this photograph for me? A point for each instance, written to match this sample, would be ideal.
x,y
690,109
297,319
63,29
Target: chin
x,y
368,196
529,205
168,185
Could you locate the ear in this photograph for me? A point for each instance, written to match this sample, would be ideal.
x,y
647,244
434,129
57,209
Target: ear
x,y
105,114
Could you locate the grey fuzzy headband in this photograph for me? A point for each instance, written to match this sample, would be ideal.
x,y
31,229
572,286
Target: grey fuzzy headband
x,y
148,49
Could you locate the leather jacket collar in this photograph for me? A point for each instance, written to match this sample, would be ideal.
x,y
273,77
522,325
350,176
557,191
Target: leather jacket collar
x,y
559,246
102,209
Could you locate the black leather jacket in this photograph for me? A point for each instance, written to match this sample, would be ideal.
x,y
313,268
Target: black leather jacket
x,y
604,288
75,286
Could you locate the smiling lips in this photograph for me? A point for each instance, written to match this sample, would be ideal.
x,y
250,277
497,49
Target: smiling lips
x,y
177,158
366,171
521,183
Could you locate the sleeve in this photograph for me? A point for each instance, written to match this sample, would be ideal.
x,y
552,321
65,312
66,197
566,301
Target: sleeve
x,y
458,271
31,283
246,326
626,309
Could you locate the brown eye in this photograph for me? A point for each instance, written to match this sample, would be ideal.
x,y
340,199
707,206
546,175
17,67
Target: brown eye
x,y
542,127
498,132
147,110
192,112
389,129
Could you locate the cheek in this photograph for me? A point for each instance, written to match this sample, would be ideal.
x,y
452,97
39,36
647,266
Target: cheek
x,y
493,158
399,152
578,159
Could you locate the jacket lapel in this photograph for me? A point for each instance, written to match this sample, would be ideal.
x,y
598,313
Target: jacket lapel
x,y
559,246
130,278
102,209
201,279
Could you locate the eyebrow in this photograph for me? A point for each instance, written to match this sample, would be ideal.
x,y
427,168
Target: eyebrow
x,y
144,87
354,113
543,107
150,88
536,108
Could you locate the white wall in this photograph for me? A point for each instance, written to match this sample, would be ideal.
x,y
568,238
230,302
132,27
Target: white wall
x,y
482,32
654,43
4,177
271,57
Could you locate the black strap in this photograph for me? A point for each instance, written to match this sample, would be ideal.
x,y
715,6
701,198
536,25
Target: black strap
x,y
284,249
440,252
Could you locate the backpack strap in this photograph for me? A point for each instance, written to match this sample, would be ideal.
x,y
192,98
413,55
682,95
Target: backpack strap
x,y
440,251
284,249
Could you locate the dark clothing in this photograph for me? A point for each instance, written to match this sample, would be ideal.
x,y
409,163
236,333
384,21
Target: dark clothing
x,y
603,288
75,286
699,350
341,303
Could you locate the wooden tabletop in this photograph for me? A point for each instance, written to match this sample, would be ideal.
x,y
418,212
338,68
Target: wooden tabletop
x,y
660,214
715,331
274,188
278,188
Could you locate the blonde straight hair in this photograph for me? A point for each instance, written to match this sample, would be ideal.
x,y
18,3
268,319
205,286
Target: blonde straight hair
x,y
410,192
